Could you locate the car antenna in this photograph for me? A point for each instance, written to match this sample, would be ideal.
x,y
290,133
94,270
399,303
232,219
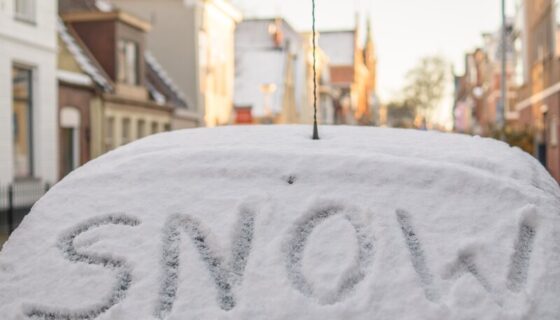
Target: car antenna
x,y
315,129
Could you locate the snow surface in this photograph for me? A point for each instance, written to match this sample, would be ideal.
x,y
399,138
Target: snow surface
x,y
81,57
264,223
339,46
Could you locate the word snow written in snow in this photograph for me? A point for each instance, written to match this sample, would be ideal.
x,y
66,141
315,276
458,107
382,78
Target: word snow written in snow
x,y
226,276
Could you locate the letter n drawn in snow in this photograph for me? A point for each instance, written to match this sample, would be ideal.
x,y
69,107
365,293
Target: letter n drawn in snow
x,y
225,275
297,241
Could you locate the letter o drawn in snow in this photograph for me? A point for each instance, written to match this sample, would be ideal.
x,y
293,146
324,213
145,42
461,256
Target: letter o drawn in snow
x,y
297,241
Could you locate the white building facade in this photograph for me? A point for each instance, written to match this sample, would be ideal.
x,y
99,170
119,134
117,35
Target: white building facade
x,y
194,41
28,91
270,70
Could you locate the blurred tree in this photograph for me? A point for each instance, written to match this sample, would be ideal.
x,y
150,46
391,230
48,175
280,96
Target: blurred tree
x,y
426,84
400,114
516,137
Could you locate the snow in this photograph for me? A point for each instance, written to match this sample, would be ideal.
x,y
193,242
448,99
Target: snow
x,y
265,223
271,70
255,46
339,46
75,78
164,76
81,57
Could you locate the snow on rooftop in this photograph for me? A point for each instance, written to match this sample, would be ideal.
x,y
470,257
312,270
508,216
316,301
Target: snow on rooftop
x,y
259,61
338,46
82,58
265,223
249,79
258,34
162,74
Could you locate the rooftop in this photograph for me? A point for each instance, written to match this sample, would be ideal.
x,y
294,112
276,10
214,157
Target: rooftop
x,y
117,15
339,46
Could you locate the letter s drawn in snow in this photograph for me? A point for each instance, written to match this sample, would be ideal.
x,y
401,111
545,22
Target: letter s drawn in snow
x,y
123,270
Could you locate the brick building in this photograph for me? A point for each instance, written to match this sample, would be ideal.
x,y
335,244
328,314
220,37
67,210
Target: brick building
x,y
112,91
353,74
538,100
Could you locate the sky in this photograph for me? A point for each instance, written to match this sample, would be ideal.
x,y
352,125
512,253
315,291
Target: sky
x,y
404,30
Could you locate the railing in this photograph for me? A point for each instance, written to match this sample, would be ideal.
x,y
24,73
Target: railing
x,y
15,202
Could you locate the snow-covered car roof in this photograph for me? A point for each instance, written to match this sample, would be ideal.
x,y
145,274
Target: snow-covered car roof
x,y
265,223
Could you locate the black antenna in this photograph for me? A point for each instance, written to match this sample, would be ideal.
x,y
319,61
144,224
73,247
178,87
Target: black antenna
x,y
315,129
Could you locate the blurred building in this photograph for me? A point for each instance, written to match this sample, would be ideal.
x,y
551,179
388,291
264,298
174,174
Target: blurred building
x,y
478,90
28,97
81,84
492,90
538,101
111,90
463,103
353,74
194,41
270,71
470,102
325,106
370,59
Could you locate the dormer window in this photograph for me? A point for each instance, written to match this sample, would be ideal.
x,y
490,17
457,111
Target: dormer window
x,y
25,10
127,53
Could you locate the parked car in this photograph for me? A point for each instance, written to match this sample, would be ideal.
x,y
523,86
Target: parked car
x,y
266,223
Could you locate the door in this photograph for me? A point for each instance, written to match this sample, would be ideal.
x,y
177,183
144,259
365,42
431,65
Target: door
x,y
70,122
68,150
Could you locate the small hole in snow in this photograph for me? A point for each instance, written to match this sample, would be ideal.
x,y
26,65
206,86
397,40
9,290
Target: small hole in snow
x,y
291,179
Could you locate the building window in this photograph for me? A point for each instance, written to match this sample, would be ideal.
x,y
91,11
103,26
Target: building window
x,y
155,127
141,129
22,110
519,62
126,131
553,132
25,10
109,133
167,127
128,62
204,62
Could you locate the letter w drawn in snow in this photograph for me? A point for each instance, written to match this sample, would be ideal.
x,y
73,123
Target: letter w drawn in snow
x,y
465,263
225,275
